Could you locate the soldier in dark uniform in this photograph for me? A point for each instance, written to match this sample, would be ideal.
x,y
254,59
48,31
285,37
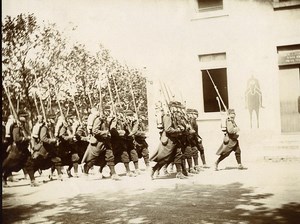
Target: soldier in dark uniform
x,y
185,140
141,145
169,149
17,151
196,141
99,147
45,154
131,129
120,138
65,139
233,144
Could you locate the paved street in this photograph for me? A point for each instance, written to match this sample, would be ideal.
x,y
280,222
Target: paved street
x,y
267,192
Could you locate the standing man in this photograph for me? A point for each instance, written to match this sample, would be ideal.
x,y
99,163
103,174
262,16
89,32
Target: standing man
x,y
233,144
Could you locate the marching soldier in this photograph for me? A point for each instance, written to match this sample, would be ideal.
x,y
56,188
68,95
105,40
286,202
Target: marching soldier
x,y
131,129
196,140
232,131
187,151
141,145
45,154
99,143
169,149
17,151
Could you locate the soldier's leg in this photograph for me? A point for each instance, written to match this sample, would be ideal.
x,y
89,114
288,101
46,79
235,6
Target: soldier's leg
x,y
75,160
125,159
58,166
178,165
88,165
222,157
195,158
135,159
202,155
30,170
165,169
157,167
145,155
110,161
69,170
238,156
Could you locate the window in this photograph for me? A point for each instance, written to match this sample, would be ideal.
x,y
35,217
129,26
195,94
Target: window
x,y
219,77
209,5
286,4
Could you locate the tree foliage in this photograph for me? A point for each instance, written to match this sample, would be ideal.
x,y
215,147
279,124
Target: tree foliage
x,y
44,71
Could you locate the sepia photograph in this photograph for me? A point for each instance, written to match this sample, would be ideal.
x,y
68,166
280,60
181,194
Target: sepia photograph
x,y
150,111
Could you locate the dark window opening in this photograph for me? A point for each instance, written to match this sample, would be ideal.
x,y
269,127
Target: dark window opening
x,y
208,5
219,77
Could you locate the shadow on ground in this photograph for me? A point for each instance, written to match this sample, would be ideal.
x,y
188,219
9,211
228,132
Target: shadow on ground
x,y
183,203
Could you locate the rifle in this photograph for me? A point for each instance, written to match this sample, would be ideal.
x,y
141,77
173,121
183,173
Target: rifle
x,y
12,108
217,91
100,94
218,98
41,101
166,101
133,98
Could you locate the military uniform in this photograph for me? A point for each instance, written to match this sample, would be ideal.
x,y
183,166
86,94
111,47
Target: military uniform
x,y
99,150
45,154
169,148
17,151
196,140
141,145
233,144
122,143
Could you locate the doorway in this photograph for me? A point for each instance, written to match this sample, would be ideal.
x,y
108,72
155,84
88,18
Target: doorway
x,y
289,86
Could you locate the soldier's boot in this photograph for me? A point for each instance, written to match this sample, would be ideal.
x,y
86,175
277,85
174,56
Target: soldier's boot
x,y
203,161
4,183
179,174
137,170
33,183
238,159
216,166
69,173
197,168
152,174
193,171
75,165
58,168
128,172
172,168
241,167
60,177
165,170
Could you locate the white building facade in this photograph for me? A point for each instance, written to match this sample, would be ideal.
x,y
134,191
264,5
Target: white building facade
x,y
251,50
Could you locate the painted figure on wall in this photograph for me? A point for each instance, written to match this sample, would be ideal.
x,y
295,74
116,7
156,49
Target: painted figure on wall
x,y
253,98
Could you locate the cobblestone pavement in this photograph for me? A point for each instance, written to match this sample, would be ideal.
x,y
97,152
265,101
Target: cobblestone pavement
x,y
267,192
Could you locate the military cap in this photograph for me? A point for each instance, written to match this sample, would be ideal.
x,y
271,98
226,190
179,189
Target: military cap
x,y
107,107
231,111
128,112
195,111
23,114
51,116
189,110
174,104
